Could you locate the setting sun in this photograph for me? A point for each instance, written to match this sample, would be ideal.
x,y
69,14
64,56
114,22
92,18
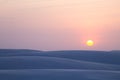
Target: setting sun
x,y
90,43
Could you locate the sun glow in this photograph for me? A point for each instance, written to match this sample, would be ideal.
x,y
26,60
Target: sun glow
x,y
90,43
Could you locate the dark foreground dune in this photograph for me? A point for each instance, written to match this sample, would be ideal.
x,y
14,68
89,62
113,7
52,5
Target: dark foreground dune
x,y
60,74
59,65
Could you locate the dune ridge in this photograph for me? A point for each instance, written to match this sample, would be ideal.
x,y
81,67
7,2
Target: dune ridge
x,y
59,65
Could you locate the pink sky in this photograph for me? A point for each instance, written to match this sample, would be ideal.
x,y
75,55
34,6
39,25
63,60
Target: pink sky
x,y
60,24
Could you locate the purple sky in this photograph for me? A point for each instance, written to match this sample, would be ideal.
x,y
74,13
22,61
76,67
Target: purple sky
x,y
60,24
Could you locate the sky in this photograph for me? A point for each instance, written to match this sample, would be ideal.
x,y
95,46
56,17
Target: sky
x,y
60,24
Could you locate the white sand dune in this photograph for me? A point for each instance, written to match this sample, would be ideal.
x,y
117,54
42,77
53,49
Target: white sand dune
x,y
59,65
59,74
38,62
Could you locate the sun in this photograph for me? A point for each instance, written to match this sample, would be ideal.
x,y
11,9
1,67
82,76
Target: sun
x,y
90,43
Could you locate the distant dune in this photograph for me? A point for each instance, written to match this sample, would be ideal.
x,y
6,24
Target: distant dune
x,y
26,64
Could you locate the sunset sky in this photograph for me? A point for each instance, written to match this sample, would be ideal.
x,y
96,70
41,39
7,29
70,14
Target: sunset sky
x,y
60,24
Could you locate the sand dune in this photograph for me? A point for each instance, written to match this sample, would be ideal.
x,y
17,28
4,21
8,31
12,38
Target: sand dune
x,y
59,65
107,57
60,74
38,62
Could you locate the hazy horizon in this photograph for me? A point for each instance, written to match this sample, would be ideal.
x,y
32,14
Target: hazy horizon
x,y
59,24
